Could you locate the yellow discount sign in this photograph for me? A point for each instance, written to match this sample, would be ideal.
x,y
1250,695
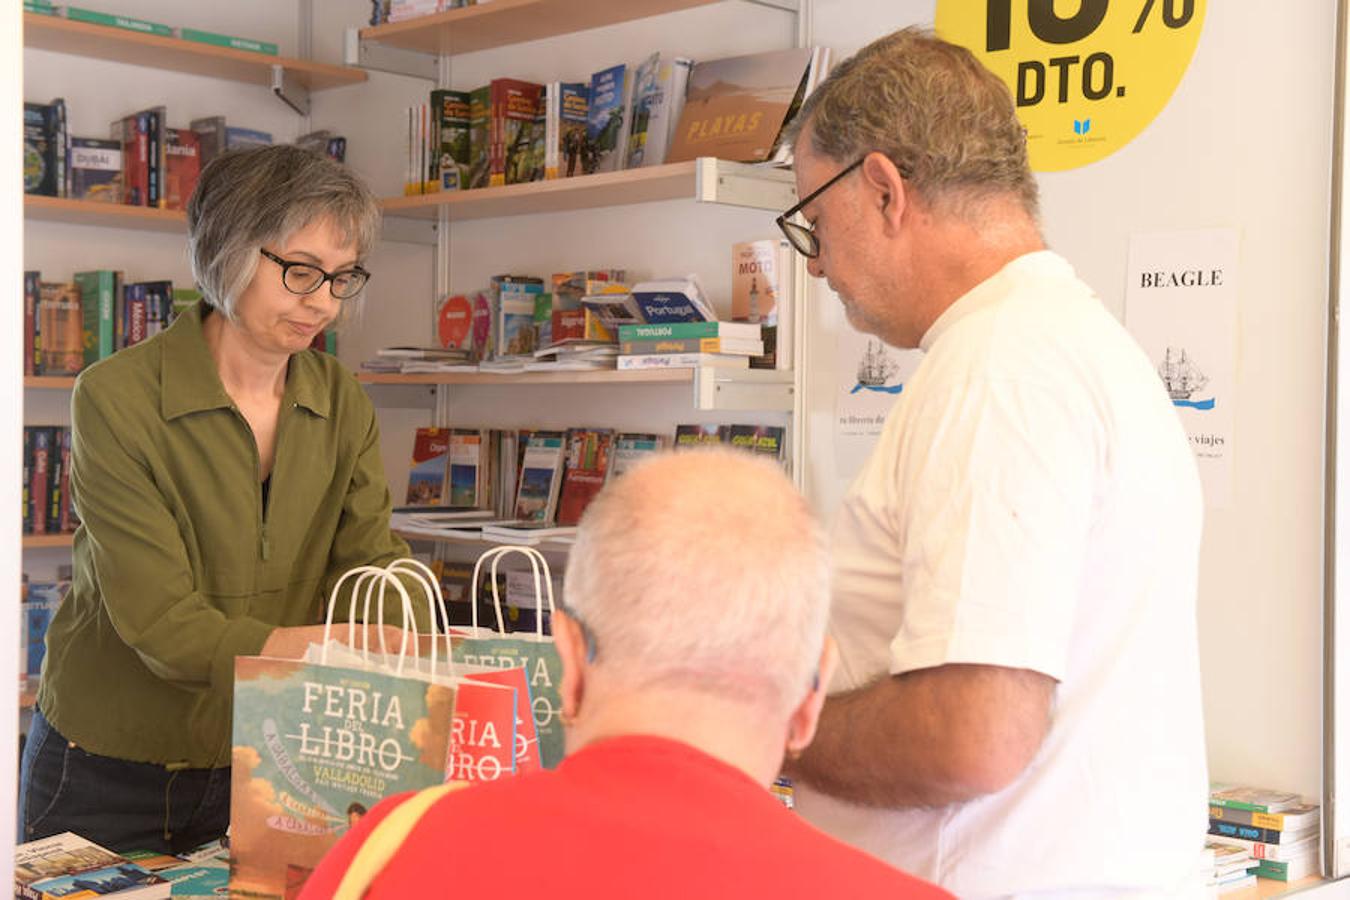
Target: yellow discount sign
x,y
1087,75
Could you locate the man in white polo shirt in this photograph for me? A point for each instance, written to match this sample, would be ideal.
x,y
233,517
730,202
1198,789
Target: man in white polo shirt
x,y
1018,709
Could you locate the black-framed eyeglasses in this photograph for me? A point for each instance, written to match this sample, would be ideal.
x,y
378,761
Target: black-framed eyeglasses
x,y
306,278
803,237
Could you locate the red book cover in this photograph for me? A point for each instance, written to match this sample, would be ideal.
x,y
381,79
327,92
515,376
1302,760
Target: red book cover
x,y
426,476
454,323
37,484
515,110
185,166
568,324
588,452
136,320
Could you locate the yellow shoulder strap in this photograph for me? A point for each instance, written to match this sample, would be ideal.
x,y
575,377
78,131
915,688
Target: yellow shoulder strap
x,y
385,839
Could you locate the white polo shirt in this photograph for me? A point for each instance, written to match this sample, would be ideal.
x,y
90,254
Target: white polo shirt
x,y
1033,503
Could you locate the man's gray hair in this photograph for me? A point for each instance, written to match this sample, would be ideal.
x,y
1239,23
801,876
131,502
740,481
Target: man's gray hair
x,y
704,570
946,121
246,199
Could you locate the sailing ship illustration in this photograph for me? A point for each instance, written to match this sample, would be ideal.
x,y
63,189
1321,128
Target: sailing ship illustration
x,y
875,367
1180,375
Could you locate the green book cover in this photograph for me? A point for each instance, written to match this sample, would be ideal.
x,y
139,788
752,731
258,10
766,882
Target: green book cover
x,y
76,14
673,330
184,299
98,293
41,7
227,40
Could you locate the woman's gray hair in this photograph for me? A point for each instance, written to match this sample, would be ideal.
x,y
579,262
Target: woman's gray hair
x,y
246,199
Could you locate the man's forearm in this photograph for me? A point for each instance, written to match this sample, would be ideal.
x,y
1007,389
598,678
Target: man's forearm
x,y
928,738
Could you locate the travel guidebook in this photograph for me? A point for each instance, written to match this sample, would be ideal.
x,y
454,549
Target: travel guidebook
x,y
734,108
67,865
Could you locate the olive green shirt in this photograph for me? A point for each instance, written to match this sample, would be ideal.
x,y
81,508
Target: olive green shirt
x,y
178,567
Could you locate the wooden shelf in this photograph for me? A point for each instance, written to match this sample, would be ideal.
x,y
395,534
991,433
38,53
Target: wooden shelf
x,y
704,179
110,215
596,376
120,45
545,546
50,382
503,22
40,541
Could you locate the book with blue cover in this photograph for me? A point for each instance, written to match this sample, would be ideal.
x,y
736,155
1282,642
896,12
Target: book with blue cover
x,y
673,300
606,123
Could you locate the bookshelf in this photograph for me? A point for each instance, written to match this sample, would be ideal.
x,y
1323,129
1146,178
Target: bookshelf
x,y
110,215
49,382
594,376
505,22
47,541
705,179
763,390
120,45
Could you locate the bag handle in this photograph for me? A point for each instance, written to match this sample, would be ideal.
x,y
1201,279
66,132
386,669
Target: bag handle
x,y
431,586
537,561
370,575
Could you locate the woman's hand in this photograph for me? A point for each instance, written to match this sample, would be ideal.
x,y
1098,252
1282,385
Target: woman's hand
x,y
291,643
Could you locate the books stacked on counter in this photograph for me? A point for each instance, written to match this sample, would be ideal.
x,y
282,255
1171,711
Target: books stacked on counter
x,y
1226,869
67,865
1277,830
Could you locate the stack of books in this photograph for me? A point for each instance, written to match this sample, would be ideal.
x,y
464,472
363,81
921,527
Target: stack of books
x,y
689,345
1226,868
1276,829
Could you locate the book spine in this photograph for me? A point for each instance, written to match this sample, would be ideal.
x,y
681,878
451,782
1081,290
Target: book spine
x,y
30,320
55,478
1244,832
67,516
37,489
672,331
673,361
28,479
141,161
226,40
681,345
76,14
154,154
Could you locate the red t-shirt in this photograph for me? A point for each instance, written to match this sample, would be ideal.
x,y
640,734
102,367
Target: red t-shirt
x,y
626,817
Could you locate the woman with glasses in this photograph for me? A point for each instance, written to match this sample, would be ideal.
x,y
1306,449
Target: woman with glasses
x,y
225,475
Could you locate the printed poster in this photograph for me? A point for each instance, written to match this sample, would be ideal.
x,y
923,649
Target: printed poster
x,y
871,377
1087,77
1181,305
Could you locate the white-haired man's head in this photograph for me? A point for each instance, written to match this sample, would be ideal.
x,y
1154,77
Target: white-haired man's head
x,y
703,570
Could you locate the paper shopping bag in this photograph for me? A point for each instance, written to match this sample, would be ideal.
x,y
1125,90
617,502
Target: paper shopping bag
x,y
315,747
535,653
318,741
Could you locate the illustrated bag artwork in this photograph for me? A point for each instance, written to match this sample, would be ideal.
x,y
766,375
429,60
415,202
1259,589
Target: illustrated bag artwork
x,y
534,652
319,741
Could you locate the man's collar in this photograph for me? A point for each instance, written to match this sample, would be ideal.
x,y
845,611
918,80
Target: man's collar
x,y
991,290
189,382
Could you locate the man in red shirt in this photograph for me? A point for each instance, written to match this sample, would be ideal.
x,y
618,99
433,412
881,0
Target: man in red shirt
x,y
695,657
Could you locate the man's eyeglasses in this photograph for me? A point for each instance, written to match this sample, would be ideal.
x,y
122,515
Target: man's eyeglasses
x,y
306,278
803,237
